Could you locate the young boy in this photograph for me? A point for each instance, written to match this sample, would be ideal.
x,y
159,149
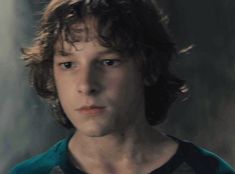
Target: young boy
x,y
103,66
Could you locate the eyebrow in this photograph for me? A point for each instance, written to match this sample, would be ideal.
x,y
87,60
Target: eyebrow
x,y
63,53
105,52
78,30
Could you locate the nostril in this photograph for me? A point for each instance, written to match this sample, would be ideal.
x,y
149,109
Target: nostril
x,y
93,91
88,91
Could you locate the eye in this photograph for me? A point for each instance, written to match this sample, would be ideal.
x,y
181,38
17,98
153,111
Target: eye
x,y
67,65
111,62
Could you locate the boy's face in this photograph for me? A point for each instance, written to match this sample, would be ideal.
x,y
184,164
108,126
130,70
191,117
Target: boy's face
x,y
92,75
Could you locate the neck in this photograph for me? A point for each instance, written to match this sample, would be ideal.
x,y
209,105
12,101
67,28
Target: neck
x,y
131,146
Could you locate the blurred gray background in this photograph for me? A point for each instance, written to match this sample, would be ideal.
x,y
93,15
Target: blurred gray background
x,y
206,117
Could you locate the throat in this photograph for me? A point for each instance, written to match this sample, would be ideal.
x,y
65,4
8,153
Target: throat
x,y
115,147
117,154
141,163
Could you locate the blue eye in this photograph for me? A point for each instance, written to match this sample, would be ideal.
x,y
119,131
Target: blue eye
x,y
111,62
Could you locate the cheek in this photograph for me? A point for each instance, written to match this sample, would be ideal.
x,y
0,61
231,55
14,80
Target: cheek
x,y
124,86
64,89
116,84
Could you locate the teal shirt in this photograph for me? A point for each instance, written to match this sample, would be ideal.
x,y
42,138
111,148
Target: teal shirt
x,y
189,159
45,162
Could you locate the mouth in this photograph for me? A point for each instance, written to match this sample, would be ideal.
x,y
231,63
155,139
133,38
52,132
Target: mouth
x,y
91,110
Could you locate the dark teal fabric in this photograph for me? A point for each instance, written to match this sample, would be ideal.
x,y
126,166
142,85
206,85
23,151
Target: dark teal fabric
x,y
189,159
45,162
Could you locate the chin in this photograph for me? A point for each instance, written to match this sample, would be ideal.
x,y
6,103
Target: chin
x,y
95,131
95,134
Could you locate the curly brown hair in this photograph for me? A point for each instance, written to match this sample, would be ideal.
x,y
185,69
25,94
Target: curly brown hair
x,y
130,27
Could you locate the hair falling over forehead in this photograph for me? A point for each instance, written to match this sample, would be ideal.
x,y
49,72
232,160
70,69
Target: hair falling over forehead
x,y
133,28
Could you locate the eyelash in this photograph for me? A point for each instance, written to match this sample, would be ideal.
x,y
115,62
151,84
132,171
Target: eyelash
x,y
62,65
115,63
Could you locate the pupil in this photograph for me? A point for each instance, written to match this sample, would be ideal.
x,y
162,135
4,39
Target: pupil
x,y
109,62
67,65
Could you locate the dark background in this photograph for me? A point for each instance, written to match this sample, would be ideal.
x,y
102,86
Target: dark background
x,y
206,117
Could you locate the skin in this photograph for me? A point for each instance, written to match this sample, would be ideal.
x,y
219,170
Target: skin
x,y
118,139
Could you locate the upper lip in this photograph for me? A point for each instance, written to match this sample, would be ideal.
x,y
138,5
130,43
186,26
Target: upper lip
x,y
90,107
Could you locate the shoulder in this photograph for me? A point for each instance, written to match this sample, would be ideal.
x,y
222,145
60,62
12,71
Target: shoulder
x,y
203,160
42,163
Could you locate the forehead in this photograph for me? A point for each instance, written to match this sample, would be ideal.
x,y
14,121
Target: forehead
x,y
85,29
82,31
90,48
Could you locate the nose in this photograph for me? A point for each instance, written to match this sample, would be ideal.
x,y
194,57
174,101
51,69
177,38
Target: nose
x,y
88,82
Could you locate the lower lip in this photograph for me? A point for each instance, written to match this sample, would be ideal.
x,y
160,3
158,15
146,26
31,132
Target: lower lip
x,y
93,111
